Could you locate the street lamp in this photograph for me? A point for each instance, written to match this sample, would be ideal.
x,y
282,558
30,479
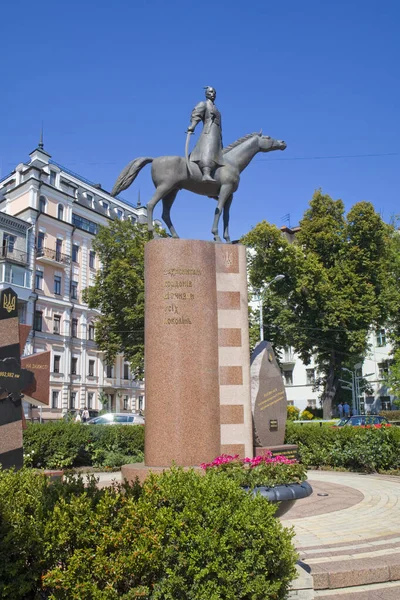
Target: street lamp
x,y
260,299
355,384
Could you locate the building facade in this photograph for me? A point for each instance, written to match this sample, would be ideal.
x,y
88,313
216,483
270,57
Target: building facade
x,y
48,219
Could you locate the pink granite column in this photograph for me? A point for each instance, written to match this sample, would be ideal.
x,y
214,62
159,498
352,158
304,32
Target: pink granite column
x,y
181,353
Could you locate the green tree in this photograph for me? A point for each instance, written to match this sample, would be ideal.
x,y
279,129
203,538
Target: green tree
x,y
118,292
340,281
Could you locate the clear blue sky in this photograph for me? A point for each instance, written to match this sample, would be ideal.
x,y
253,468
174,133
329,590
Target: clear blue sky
x,y
116,80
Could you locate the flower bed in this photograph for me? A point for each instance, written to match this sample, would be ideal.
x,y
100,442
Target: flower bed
x,y
277,478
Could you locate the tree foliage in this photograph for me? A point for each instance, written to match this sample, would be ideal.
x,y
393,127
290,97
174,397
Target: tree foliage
x,y
340,281
118,292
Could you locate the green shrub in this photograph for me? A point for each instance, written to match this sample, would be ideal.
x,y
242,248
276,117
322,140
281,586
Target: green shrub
x,y
306,415
181,536
68,444
27,501
186,537
355,448
293,413
391,415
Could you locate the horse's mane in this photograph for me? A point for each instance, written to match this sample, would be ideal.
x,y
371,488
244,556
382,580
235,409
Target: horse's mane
x,y
239,141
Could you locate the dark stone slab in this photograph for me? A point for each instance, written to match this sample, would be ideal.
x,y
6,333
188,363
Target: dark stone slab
x,y
15,380
268,397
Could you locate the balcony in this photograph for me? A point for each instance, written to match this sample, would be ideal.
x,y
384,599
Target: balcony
x,y
14,255
288,359
49,255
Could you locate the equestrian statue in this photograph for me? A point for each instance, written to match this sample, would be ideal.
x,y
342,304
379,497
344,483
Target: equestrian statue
x,y
210,170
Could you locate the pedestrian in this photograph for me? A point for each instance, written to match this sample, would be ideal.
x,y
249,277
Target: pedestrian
x,y
78,417
340,410
346,410
85,415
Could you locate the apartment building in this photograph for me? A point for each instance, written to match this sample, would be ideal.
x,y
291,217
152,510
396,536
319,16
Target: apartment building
x,y
48,219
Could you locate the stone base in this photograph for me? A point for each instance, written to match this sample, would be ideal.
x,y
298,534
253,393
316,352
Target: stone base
x,y
287,450
141,471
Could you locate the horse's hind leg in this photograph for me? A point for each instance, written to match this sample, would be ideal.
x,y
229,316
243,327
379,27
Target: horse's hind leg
x,y
226,219
168,201
224,195
160,192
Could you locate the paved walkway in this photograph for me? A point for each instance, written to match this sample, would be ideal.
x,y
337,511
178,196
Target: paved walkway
x,y
350,538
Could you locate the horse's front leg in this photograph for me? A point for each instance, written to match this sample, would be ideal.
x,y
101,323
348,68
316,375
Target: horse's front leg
x,y
155,199
224,193
226,219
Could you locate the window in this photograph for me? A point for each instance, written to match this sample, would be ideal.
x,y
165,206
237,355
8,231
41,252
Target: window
x,y
42,204
56,324
141,402
8,244
119,213
109,371
75,252
59,250
381,338
290,402
54,399
91,332
385,402
57,285
74,365
74,290
126,371
72,400
53,176
84,224
92,256
288,377
38,320
105,206
126,400
91,368
312,403
56,363
89,197
74,328
39,280
60,212
16,275
90,397
383,369
310,376
40,240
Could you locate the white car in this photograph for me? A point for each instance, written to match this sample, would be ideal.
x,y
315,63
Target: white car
x,y
117,419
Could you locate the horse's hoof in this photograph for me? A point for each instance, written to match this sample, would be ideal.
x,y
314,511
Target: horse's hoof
x,y
228,240
217,238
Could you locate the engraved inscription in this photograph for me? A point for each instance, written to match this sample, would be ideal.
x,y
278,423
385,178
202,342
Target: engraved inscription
x,y
177,293
271,398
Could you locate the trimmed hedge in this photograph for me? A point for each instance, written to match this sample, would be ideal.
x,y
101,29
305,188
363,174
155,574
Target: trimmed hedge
x,y
391,415
355,448
181,536
67,444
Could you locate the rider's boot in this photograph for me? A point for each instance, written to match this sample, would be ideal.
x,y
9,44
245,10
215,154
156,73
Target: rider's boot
x,y
207,175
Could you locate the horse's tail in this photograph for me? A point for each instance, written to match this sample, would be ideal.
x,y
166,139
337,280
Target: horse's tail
x,y
129,174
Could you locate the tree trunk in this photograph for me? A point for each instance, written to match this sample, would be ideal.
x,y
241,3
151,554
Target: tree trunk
x,y
331,386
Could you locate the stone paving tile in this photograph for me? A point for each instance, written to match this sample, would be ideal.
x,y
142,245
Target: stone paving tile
x,y
373,592
375,516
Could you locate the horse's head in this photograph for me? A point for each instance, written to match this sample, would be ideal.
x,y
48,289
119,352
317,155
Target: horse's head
x,y
266,143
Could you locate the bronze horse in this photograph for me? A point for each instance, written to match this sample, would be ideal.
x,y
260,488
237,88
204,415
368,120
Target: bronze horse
x,y
170,174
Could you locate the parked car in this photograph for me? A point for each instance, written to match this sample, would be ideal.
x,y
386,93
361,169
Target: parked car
x,y
117,419
362,421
